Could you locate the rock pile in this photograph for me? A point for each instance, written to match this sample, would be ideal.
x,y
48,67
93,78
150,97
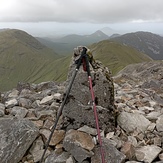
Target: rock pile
x,y
75,139
28,113
139,100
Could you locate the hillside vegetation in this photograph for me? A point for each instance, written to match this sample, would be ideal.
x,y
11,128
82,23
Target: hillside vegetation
x,y
25,59
116,56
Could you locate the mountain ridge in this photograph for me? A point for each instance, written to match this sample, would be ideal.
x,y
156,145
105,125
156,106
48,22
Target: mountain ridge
x,y
146,42
64,45
118,55
23,58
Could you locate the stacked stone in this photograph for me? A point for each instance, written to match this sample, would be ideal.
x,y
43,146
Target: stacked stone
x,y
75,138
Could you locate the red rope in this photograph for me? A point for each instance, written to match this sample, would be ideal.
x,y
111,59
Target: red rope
x,y
96,119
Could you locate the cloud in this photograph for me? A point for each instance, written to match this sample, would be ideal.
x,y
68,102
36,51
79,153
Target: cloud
x,y
92,11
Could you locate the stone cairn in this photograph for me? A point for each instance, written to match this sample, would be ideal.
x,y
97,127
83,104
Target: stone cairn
x,y
28,112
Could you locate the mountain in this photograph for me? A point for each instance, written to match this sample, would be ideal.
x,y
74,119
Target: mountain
x,y
66,44
146,42
4,29
116,56
84,39
23,58
108,31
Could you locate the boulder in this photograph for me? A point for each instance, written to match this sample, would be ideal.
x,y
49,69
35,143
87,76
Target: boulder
x,y
79,144
47,100
16,136
89,130
55,158
57,136
19,112
26,103
11,103
112,155
130,122
147,153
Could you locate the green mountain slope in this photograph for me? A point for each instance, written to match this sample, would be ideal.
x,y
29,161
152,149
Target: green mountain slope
x,y
116,56
23,58
113,55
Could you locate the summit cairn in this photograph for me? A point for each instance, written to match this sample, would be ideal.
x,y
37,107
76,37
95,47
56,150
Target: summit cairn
x,y
78,110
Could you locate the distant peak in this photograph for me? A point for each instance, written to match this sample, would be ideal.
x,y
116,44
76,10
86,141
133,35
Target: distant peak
x,y
99,33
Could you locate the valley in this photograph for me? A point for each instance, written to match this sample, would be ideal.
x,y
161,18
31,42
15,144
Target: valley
x,y
28,59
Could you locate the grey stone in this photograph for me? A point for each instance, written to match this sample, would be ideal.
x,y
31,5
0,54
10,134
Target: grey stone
x,y
133,140
56,138
47,100
13,94
16,136
70,160
128,150
151,127
79,144
147,153
111,154
54,106
25,93
89,130
2,110
157,141
45,113
161,156
153,115
23,102
10,103
37,150
57,96
45,85
130,122
54,158
110,135
23,86
18,112
159,123
35,104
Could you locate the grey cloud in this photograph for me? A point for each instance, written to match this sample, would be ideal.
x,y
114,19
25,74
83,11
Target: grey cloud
x,y
92,11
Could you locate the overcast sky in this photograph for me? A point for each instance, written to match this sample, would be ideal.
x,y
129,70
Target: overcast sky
x,y
81,16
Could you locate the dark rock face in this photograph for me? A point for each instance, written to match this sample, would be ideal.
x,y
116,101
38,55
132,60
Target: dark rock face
x,y
78,109
16,136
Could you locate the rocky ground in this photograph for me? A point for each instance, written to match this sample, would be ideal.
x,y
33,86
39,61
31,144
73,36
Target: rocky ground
x,y
28,113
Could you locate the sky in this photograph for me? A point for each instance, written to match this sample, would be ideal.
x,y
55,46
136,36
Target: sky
x,y
59,17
